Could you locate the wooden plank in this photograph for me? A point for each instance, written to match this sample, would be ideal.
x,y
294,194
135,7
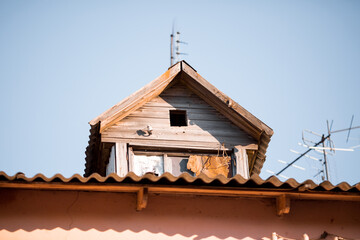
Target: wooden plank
x,y
241,159
199,124
183,135
179,136
138,131
177,103
121,159
204,127
178,89
154,113
170,154
190,110
187,136
167,164
168,143
131,159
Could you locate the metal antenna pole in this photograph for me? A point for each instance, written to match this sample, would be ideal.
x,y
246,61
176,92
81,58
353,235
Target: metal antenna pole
x,y
325,160
347,139
177,46
171,49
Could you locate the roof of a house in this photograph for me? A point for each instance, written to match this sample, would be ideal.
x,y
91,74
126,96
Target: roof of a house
x,y
209,93
255,187
184,180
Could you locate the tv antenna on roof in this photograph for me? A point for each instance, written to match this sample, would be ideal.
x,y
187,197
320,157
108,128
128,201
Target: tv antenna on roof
x,y
325,146
175,47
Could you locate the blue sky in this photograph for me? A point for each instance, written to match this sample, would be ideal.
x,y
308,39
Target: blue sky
x,y
293,64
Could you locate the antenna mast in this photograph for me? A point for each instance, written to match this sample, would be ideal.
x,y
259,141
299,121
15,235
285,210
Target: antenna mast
x,y
322,148
172,46
175,47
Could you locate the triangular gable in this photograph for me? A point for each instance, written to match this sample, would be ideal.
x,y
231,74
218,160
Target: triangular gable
x,y
204,128
209,93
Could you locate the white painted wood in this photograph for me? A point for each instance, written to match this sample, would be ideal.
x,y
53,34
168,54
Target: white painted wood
x,y
167,164
143,164
111,166
121,159
242,164
131,159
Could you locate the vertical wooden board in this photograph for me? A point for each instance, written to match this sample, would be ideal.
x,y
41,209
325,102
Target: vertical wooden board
x,y
131,159
121,159
241,160
167,164
111,166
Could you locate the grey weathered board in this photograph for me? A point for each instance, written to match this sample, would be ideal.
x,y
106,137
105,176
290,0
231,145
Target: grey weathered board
x,y
206,126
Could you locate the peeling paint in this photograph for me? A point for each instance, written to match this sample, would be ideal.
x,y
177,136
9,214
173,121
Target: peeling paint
x,y
144,164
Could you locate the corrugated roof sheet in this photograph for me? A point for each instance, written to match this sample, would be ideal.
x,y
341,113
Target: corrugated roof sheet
x,y
255,182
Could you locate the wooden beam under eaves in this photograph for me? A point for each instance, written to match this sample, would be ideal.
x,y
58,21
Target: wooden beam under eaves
x,y
282,205
141,199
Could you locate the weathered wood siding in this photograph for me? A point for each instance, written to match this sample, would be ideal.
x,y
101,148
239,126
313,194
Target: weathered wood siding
x,y
206,129
111,166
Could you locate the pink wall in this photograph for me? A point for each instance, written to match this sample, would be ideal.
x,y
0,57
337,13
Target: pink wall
x,y
31,214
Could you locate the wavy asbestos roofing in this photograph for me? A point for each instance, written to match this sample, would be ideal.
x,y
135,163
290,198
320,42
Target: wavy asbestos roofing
x,y
224,104
185,179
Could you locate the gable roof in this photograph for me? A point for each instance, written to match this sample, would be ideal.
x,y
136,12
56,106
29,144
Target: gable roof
x,y
209,93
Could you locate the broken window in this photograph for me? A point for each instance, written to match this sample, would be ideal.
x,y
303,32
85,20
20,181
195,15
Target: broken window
x,y
124,158
177,165
178,118
143,164
158,162
211,166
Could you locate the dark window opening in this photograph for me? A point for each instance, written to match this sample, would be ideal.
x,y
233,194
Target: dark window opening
x,y
178,118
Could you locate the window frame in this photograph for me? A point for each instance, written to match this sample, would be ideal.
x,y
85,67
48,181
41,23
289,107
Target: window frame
x,y
174,118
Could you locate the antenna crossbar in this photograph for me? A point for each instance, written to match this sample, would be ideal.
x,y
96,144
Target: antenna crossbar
x,y
303,154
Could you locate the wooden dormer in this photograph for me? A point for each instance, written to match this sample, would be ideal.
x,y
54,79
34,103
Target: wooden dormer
x,y
177,123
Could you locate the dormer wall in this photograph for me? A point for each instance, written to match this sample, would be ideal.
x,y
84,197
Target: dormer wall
x,y
206,128
177,123
150,137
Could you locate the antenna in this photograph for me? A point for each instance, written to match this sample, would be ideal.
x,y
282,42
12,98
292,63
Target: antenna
x,y
172,46
175,47
324,145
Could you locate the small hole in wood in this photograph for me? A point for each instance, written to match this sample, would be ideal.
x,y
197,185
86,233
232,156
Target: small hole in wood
x,y
178,118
